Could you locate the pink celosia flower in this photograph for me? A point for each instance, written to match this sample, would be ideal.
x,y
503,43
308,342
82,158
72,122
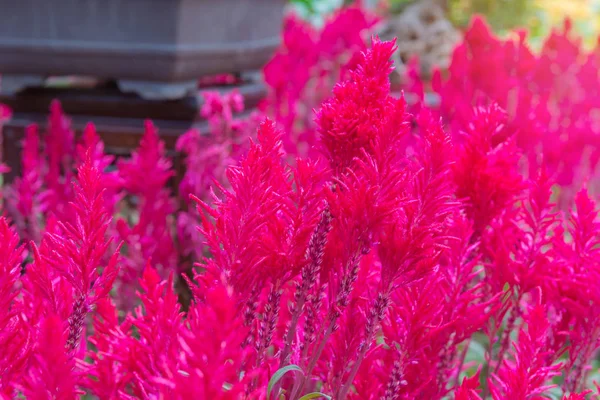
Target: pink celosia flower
x,y
528,375
486,171
550,97
207,156
75,250
60,150
212,346
145,177
309,63
469,389
107,376
578,296
15,334
351,119
158,325
51,370
24,198
92,146
243,217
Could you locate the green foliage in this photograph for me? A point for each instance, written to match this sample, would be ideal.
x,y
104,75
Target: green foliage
x,y
315,395
501,14
537,16
279,374
315,10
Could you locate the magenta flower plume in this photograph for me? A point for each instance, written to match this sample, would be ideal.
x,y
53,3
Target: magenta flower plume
x,y
60,151
145,178
486,172
24,200
244,218
15,333
410,246
51,371
76,249
148,170
212,352
527,376
106,373
159,323
469,389
355,116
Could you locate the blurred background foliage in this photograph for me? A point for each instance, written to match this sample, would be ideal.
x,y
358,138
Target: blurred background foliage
x,y
314,10
537,16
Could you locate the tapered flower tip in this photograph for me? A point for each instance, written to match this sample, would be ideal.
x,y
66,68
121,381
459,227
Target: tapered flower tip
x,y
479,28
378,60
469,388
89,133
150,277
268,135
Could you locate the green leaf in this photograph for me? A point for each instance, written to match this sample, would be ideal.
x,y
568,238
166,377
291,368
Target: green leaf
x,y
279,374
315,395
306,4
476,352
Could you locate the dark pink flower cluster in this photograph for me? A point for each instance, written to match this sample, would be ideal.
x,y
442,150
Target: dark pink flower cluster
x,y
309,63
207,156
550,97
404,260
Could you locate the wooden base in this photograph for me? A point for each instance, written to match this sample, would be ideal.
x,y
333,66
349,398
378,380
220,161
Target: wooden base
x,y
118,117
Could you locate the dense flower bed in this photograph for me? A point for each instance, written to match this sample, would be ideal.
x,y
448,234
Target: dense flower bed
x,y
373,253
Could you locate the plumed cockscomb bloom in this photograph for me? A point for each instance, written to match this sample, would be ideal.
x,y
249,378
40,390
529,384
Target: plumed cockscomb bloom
x,y
410,246
550,95
308,64
486,172
259,231
43,191
24,199
469,389
207,155
15,333
236,238
51,370
577,289
352,119
91,145
527,376
75,250
59,143
107,376
158,322
145,179
577,396
518,253
431,318
137,356
212,352
148,170
518,244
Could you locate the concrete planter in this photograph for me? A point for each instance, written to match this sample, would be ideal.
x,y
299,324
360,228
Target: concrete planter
x,y
157,48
